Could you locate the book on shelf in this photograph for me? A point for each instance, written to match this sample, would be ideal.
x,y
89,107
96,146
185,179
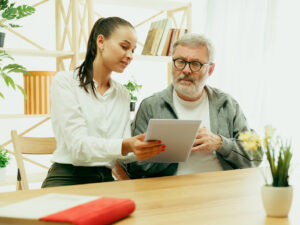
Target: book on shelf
x,y
156,37
174,36
167,43
149,43
66,208
164,38
161,37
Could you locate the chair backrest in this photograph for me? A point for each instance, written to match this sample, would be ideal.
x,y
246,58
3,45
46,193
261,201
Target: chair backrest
x,y
119,173
30,145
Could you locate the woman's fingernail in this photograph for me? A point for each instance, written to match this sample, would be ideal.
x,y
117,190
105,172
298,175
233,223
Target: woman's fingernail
x,y
159,142
163,150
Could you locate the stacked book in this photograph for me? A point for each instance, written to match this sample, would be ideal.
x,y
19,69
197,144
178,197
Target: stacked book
x,y
161,37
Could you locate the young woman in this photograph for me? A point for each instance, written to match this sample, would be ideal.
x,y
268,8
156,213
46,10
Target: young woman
x,y
90,111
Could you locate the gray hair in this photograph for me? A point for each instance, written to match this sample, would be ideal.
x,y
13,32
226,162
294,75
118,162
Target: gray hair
x,y
192,39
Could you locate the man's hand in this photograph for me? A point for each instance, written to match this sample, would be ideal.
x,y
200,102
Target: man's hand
x,y
142,149
206,141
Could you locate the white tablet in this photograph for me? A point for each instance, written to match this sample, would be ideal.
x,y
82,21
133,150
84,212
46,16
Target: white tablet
x,y
177,135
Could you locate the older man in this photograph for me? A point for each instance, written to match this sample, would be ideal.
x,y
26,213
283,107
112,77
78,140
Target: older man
x,y
216,146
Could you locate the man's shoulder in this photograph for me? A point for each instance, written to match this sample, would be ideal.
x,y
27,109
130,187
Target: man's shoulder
x,y
157,96
219,95
216,91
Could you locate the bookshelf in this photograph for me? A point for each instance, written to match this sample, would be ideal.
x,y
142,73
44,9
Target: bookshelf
x,y
75,18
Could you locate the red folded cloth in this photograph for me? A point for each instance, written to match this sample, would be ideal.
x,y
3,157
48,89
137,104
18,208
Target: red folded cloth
x,y
98,212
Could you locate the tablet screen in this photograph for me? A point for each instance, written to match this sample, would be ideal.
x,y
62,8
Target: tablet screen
x,y
177,135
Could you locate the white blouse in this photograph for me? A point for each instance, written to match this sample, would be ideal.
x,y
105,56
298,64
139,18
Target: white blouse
x,y
89,130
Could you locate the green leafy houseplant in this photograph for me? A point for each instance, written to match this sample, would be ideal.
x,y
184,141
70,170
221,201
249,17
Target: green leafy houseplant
x,y
133,88
4,157
277,151
6,70
10,13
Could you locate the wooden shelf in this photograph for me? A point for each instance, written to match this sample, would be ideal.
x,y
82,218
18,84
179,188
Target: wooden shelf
x,y
148,4
37,52
75,34
16,116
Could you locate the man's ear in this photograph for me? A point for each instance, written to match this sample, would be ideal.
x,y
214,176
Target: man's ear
x,y
211,69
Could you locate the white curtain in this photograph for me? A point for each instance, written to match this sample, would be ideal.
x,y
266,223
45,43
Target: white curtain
x,y
257,59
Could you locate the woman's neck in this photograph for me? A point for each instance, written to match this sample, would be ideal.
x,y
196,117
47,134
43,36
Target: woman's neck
x,y
101,74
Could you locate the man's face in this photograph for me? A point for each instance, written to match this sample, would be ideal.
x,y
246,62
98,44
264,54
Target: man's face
x,y
187,83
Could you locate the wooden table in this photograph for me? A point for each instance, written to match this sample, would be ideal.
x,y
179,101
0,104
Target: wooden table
x,y
215,198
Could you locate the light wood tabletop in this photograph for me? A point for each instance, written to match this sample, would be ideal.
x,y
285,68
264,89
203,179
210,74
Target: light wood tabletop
x,y
214,198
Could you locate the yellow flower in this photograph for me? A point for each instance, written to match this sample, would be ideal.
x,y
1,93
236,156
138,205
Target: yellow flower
x,y
250,140
269,131
245,136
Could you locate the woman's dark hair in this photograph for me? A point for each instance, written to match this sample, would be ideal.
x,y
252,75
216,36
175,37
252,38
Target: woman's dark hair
x,y
104,26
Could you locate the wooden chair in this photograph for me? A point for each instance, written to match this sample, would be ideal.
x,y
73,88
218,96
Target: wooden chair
x,y
29,145
119,172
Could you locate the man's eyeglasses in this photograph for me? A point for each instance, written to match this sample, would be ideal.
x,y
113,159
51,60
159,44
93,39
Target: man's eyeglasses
x,y
195,66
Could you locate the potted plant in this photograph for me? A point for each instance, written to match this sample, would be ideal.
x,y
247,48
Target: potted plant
x,y
133,87
10,12
4,160
277,194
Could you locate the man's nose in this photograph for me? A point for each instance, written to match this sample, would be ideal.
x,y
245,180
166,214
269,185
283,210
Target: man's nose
x,y
187,69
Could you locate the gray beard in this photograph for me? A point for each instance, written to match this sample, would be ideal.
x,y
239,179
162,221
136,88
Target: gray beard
x,y
192,91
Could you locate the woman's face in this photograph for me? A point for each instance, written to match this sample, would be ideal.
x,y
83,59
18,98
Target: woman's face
x,y
117,51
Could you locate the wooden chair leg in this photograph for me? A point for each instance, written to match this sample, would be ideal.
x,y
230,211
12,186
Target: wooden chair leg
x,y
19,184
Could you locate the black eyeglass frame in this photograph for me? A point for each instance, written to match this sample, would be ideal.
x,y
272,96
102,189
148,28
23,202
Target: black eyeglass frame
x,y
189,62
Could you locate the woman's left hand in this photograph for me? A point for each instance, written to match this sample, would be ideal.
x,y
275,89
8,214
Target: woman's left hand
x,y
142,149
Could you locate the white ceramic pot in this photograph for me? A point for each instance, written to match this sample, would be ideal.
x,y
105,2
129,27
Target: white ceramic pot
x,y
277,200
2,173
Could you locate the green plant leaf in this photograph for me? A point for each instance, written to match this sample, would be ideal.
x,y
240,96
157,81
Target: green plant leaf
x,y
24,10
4,157
1,95
3,54
10,13
3,4
14,68
14,25
22,90
132,87
10,81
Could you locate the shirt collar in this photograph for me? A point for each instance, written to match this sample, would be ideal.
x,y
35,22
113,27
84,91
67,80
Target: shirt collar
x,y
112,86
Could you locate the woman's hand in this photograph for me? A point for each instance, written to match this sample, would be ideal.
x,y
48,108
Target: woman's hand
x,y
142,149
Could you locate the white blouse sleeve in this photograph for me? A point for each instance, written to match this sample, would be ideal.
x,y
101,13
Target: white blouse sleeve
x,y
70,127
